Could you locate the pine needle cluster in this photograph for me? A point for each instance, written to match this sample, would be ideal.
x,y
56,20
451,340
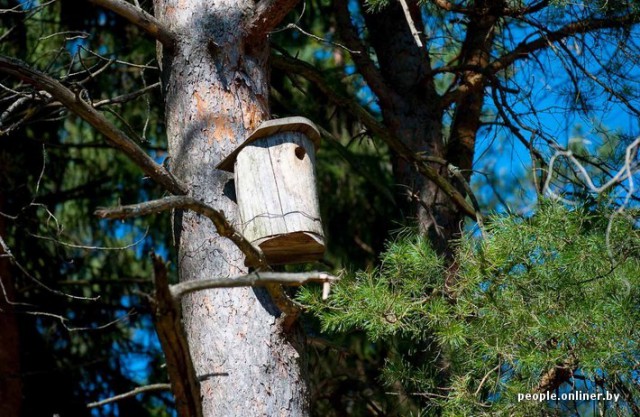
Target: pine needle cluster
x,y
546,295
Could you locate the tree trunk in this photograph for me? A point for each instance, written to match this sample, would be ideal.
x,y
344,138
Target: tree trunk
x,y
216,92
413,113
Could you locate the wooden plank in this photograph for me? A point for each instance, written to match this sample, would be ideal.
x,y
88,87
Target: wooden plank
x,y
257,194
277,198
293,160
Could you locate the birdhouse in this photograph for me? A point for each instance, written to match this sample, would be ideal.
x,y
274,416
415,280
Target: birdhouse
x,y
275,180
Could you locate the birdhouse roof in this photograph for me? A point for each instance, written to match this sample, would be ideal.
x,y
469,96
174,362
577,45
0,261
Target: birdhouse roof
x,y
271,127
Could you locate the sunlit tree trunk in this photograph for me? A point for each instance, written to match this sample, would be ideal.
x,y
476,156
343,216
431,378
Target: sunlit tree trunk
x,y
216,91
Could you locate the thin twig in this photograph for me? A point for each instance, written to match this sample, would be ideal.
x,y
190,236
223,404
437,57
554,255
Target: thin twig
x,y
223,226
319,39
267,15
89,247
64,320
484,379
467,188
132,393
83,109
14,261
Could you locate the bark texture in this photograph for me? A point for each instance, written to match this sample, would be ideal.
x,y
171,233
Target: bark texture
x,y
216,92
412,112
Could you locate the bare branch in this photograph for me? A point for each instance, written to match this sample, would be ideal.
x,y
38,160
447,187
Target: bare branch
x,y
125,98
625,173
91,247
455,171
140,18
412,25
132,393
319,39
267,15
77,105
255,257
6,253
524,49
295,66
64,320
255,279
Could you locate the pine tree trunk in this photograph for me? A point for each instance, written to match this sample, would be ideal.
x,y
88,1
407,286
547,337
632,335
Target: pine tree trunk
x,y
412,112
216,92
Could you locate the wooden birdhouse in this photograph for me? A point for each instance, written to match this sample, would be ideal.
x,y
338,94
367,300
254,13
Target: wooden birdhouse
x,y
275,183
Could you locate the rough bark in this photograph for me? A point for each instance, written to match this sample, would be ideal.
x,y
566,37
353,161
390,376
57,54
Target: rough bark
x,y
413,114
216,92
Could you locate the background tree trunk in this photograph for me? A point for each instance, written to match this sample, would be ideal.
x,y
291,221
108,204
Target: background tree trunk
x,y
412,111
216,92
10,378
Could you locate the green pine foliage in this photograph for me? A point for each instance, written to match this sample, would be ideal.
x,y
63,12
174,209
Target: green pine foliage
x,y
559,288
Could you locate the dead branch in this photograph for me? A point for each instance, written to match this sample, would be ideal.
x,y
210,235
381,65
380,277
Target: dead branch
x,y
6,253
254,256
319,39
132,393
455,171
125,98
255,279
267,15
525,49
140,18
168,322
412,26
77,105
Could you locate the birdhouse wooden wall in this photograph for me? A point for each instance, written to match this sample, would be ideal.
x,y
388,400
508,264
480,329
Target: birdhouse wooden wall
x,y
275,183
